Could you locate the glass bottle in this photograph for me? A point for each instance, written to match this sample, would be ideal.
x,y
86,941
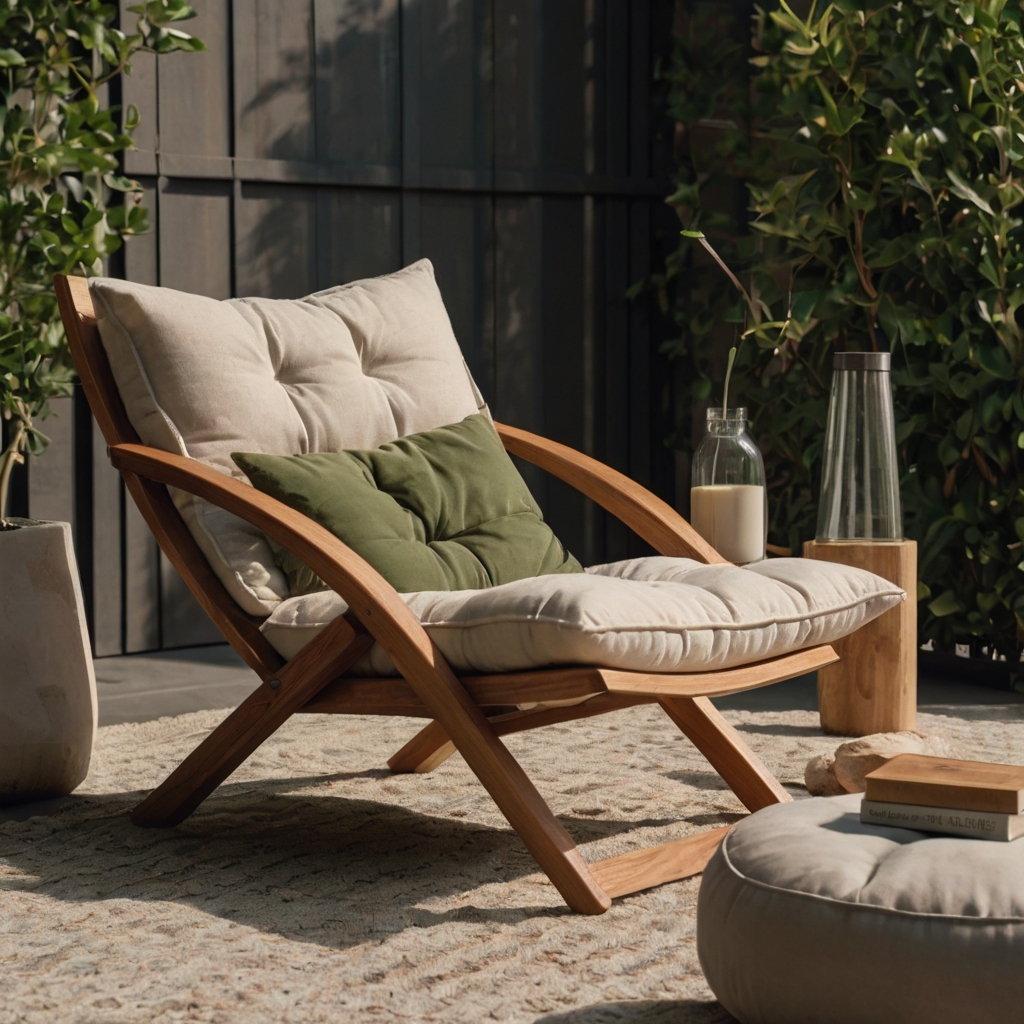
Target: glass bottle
x,y
728,503
860,488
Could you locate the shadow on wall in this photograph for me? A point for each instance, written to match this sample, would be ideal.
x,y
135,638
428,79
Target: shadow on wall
x,y
644,1011
293,240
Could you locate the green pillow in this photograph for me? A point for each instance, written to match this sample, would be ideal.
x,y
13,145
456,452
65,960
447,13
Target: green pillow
x,y
442,510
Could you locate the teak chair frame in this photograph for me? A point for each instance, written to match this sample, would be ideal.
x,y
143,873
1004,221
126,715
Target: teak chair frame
x,y
467,714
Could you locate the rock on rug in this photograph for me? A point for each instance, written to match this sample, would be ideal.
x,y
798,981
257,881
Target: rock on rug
x,y
315,886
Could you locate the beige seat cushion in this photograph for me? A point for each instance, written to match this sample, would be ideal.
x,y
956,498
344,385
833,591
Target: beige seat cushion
x,y
652,614
805,915
351,367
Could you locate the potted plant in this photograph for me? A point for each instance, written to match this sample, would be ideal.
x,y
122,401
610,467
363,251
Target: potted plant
x,y
58,175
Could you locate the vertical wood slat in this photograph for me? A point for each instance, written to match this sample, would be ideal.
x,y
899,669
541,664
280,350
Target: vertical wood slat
x,y
107,597
372,215
139,556
358,109
51,492
141,582
195,236
518,360
274,78
410,42
275,240
561,284
140,90
194,89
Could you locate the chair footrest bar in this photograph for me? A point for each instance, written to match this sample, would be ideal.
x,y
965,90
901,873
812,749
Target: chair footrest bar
x,y
656,865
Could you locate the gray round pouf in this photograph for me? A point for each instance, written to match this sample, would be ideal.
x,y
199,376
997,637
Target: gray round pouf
x,y
806,916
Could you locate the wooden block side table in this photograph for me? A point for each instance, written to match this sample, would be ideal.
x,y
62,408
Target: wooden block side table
x,y
873,686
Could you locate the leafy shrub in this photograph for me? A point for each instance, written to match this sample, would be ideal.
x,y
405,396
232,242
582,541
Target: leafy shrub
x,y
882,145
59,151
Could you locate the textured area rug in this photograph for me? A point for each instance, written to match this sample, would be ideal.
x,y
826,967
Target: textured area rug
x,y
314,886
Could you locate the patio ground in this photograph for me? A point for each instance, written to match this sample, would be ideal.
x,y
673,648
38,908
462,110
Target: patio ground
x,y
314,886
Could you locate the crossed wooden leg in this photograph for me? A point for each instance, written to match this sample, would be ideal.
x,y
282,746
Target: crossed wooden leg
x,y
430,747
320,662
702,724
726,751
260,715
697,718
586,888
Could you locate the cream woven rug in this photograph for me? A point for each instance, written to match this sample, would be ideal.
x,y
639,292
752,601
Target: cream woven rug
x,y
314,886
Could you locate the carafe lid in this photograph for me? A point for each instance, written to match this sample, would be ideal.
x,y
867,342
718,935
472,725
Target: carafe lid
x,y
861,361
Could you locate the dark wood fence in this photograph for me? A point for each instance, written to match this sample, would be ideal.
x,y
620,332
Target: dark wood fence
x,y
519,144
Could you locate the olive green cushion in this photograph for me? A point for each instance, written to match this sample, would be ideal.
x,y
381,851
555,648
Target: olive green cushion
x,y
441,510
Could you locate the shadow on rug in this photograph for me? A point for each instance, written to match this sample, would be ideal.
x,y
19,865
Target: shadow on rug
x,y
264,856
316,887
644,1011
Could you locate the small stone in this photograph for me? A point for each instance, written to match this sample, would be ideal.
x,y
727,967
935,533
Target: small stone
x,y
819,776
858,758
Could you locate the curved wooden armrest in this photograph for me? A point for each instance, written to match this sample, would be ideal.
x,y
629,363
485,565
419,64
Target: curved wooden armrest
x,y
370,597
646,514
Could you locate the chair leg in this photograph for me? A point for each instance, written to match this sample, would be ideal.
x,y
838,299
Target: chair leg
x,y
261,714
511,789
698,718
428,749
726,750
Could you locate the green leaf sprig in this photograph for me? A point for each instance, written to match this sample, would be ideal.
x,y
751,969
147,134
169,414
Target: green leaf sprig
x,y
725,390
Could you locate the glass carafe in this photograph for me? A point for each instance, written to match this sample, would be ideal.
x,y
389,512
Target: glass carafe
x,y
728,505
860,488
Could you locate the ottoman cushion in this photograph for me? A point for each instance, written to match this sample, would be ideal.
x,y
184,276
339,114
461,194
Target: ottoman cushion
x,y
806,915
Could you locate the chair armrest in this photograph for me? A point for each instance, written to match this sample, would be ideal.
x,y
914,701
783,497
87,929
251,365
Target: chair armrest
x,y
370,597
646,514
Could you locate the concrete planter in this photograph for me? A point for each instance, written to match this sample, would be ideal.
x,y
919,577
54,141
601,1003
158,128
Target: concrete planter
x,y
47,685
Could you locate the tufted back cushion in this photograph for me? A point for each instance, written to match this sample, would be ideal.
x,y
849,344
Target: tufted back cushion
x,y
352,367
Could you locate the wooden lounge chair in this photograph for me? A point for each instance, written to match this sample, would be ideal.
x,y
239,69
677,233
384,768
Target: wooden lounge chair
x,y
466,714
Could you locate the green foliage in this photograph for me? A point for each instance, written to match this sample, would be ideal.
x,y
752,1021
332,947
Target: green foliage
x,y
882,145
59,150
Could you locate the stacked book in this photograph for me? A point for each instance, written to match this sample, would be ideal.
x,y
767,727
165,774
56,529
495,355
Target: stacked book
x,y
939,794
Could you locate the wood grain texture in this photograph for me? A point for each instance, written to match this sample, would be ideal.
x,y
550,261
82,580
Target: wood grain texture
x,y
644,869
572,683
726,751
389,620
376,695
946,782
264,711
431,747
874,686
720,682
79,318
646,514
